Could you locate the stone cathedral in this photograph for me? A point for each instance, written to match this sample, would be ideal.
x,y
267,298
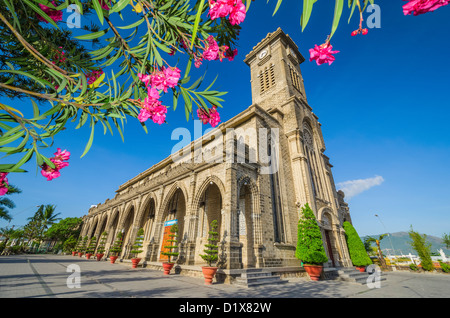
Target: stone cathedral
x,y
254,186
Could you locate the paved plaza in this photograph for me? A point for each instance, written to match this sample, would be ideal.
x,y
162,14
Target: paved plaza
x,y
53,276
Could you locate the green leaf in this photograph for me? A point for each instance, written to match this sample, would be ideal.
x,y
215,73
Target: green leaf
x,y
277,7
197,22
99,10
91,138
22,161
337,16
41,13
93,35
306,14
119,6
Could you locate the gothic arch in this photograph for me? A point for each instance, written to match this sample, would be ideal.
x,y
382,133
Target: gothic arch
x,y
142,208
324,212
205,184
175,186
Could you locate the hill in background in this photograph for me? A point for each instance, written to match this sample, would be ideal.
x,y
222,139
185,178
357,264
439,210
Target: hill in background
x,y
401,243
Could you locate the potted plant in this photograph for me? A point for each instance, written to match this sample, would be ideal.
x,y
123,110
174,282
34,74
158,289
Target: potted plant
x,y
83,246
356,249
172,241
91,247
75,249
116,248
310,248
101,246
137,248
211,254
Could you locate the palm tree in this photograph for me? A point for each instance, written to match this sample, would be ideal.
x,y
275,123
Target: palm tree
x,y
377,241
6,232
44,217
8,203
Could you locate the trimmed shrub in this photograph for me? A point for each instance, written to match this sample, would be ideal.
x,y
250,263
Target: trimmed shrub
x,y
356,248
310,248
212,250
137,247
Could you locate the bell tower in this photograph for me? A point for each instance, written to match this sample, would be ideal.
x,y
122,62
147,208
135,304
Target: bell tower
x,y
275,70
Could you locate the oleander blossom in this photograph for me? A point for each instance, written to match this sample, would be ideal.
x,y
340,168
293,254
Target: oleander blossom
x,y
235,9
211,50
60,161
163,79
213,118
55,15
152,108
322,54
417,7
3,183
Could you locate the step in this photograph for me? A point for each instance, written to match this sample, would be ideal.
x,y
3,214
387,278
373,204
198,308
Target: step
x,y
258,281
257,277
355,276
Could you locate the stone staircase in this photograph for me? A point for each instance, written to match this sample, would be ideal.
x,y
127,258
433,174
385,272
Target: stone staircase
x,y
350,274
257,277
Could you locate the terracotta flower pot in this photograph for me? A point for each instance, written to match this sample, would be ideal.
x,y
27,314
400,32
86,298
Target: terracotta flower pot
x,y
80,254
99,256
74,253
362,269
88,255
135,262
209,273
167,267
113,259
313,271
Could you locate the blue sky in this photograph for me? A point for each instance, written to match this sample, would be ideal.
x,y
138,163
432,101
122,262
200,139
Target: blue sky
x,y
383,107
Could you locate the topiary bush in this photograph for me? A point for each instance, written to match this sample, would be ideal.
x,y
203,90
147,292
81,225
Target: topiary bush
x,y
211,252
117,247
356,249
173,243
310,248
102,243
137,247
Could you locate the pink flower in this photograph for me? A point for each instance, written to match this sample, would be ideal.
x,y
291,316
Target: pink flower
x,y
59,160
237,14
322,54
172,75
144,78
158,80
198,62
203,115
49,173
55,15
62,155
154,111
159,114
230,54
211,50
417,7
3,183
213,117
219,8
